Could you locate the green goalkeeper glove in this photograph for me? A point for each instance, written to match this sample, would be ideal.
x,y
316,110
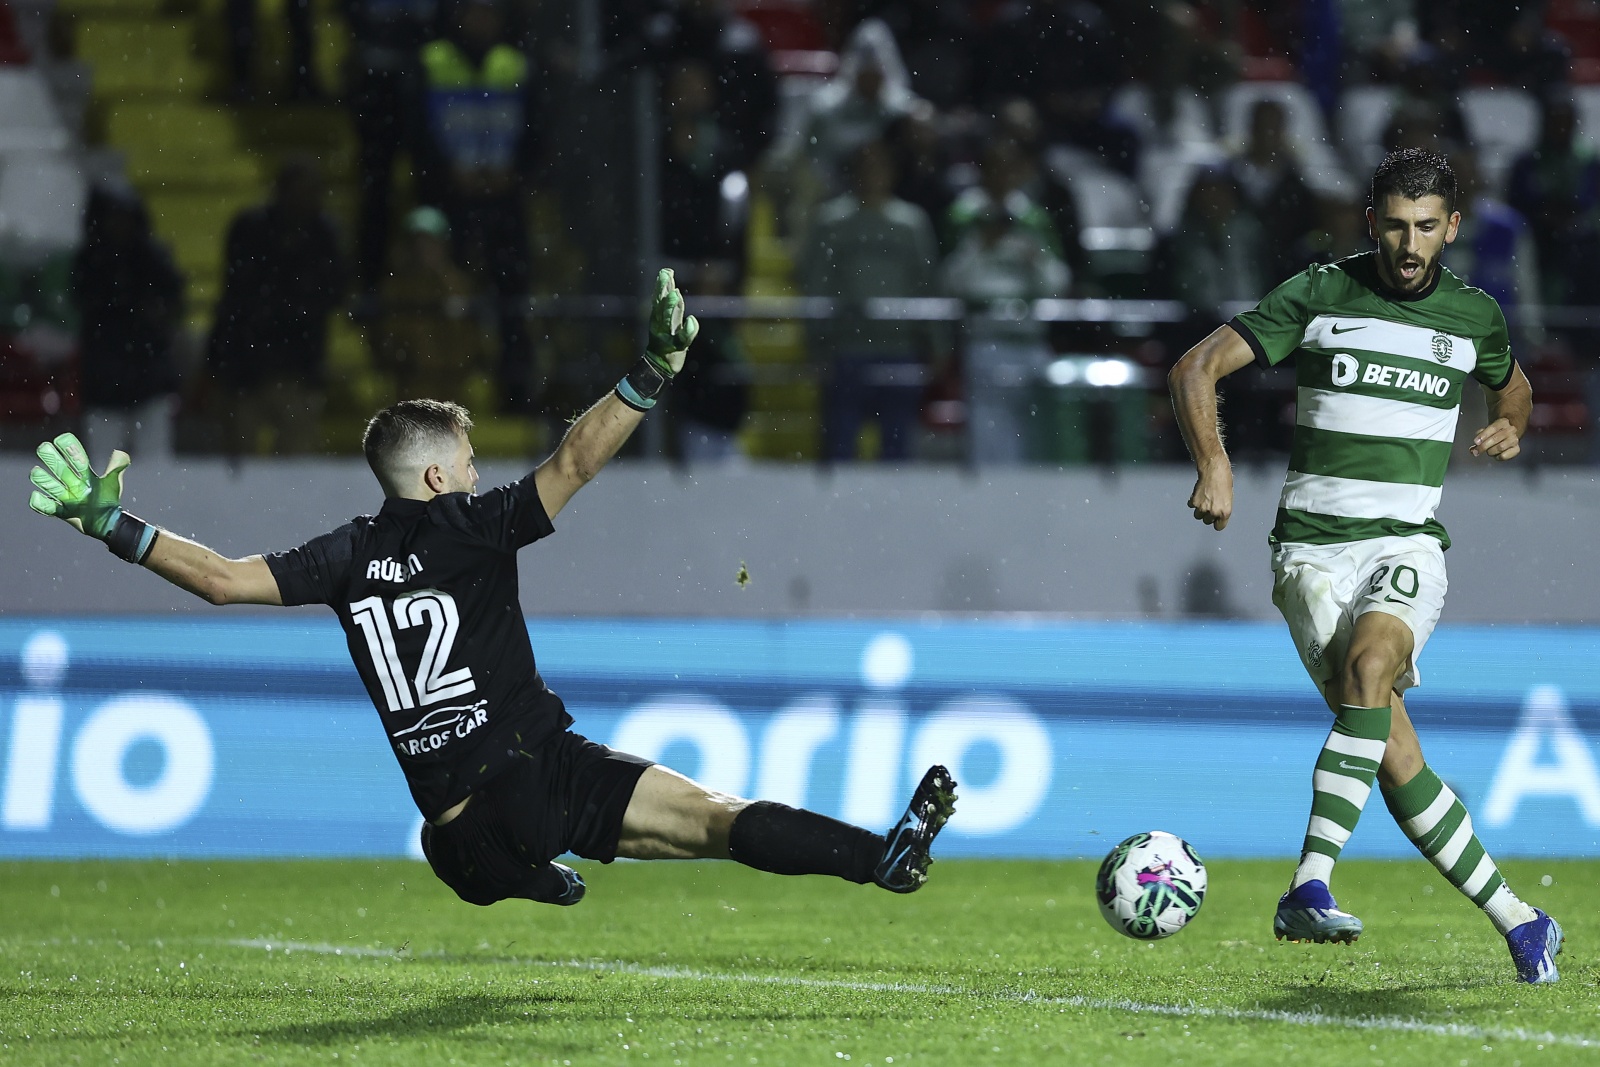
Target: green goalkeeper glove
x,y
672,331
67,488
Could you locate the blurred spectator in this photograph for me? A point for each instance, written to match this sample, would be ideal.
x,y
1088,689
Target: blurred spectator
x,y
385,38
1018,121
999,192
242,39
1556,187
867,244
933,36
1494,250
870,93
1270,174
1340,230
1199,51
475,114
283,275
429,338
1426,106
921,167
1215,253
1058,54
731,50
129,296
1377,37
696,156
711,397
1417,124
1003,261
1507,41
1530,56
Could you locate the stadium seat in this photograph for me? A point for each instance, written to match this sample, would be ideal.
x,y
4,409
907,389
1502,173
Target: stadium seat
x,y
1134,105
29,120
1503,123
786,25
1165,174
180,144
1168,154
1308,132
1363,116
1578,22
1113,225
141,58
42,195
1587,99
13,50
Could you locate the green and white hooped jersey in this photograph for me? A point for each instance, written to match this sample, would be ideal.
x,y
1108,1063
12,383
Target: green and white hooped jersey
x,y
1380,377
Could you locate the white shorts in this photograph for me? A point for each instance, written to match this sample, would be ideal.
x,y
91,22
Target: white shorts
x,y
1322,589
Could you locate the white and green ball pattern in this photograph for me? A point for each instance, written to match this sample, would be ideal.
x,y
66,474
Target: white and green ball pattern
x,y
1151,885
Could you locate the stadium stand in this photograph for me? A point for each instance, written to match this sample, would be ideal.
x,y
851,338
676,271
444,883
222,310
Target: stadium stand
x,y
161,114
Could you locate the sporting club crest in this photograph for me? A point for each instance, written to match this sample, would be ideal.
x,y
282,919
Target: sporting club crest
x,y
1443,348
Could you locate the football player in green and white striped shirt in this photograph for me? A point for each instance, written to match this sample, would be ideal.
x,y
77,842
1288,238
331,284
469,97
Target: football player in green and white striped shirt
x,y
1383,344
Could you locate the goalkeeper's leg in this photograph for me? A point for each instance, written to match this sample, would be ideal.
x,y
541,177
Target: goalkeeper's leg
x,y
673,817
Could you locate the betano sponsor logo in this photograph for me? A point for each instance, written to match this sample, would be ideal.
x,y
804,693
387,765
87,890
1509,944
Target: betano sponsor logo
x,y
1347,369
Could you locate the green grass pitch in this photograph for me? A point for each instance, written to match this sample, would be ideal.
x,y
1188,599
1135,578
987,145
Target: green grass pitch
x,y
673,964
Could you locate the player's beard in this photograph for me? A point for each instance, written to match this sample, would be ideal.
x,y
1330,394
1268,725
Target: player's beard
x,y
1420,279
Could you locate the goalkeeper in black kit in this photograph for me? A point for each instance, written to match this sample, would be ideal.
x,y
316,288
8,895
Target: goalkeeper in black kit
x,y
426,591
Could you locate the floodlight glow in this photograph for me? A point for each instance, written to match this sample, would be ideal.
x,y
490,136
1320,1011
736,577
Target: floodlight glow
x,y
1062,372
1108,372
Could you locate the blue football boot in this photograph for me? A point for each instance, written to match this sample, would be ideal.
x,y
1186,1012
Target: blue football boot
x,y
1308,913
1534,947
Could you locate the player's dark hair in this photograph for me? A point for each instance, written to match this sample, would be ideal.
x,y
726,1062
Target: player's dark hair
x,y
402,428
1414,173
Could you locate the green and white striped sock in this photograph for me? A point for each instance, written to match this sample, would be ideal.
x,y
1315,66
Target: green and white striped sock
x,y
1433,817
1340,786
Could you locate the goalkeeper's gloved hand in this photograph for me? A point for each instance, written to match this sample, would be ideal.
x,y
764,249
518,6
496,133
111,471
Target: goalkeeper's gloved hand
x,y
67,488
672,331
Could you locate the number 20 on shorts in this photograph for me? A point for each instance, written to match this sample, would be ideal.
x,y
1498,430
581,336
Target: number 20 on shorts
x,y
1403,580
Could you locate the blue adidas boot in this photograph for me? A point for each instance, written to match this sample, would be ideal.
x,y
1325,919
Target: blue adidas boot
x,y
1534,948
1308,913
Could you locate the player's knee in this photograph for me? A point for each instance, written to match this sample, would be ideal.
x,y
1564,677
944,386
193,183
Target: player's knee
x,y
1369,674
701,827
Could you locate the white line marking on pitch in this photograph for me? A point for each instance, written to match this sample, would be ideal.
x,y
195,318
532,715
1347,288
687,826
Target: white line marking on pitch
x,y
1393,1023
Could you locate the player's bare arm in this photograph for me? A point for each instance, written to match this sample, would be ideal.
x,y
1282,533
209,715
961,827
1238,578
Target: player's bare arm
x,y
1509,411
589,444
599,432
66,487
210,575
1193,384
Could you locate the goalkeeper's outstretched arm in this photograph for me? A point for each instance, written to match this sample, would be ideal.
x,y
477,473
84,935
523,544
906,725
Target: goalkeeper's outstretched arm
x,y
210,575
597,434
67,488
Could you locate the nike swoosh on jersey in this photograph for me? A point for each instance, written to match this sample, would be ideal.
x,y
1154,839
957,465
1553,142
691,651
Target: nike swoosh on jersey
x,y
1335,329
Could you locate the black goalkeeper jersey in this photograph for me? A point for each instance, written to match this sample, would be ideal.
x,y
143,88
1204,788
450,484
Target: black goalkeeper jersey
x,y
427,595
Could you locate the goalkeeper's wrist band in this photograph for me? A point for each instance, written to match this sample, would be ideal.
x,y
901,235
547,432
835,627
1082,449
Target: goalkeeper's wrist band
x,y
640,386
131,538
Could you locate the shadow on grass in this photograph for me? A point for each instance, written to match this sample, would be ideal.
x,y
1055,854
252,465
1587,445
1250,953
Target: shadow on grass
x,y
437,1017
1407,1000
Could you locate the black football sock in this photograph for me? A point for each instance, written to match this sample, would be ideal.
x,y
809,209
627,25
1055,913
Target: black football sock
x,y
784,840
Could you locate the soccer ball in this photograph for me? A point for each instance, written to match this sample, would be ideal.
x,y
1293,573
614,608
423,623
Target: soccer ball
x,y
1151,885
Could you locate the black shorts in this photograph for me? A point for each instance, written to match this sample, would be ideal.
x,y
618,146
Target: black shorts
x,y
567,795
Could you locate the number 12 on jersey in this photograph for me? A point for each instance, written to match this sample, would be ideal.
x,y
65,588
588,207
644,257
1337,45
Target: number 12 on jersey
x,y
427,606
